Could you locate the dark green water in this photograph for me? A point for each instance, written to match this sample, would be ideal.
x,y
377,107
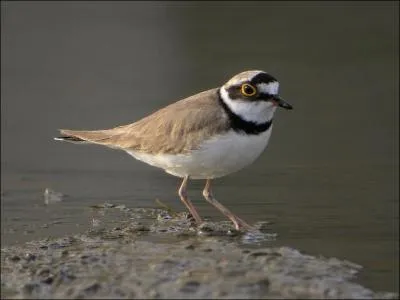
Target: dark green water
x,y
328,180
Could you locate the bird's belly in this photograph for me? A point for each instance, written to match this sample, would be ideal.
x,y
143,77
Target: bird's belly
x,y
216,157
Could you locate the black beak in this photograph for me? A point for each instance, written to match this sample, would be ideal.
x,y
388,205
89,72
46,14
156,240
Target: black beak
x,y
282,103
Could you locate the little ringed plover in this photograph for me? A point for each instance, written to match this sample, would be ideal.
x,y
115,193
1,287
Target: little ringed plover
x,y
205,136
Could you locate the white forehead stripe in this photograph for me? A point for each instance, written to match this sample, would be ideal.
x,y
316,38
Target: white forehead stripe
x,y
269,88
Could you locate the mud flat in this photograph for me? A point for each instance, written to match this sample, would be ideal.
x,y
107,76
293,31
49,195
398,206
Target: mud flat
x,y
156,254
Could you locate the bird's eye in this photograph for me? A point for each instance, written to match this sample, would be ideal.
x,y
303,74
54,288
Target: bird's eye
x,y
248,90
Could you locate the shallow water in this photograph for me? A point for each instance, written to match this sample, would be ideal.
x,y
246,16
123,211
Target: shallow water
x,y
328,182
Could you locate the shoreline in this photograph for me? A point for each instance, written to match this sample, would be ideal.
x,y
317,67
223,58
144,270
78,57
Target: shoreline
x,y
167,257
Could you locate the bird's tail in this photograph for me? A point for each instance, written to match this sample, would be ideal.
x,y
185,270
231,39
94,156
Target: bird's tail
x,y
101,137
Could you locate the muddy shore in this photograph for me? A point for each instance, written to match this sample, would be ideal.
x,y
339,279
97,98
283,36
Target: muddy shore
x,y
133,260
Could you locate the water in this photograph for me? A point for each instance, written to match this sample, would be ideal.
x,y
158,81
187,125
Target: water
x,y
328,181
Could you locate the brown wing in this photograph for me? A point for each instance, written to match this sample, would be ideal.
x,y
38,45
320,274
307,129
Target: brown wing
x,y
178,127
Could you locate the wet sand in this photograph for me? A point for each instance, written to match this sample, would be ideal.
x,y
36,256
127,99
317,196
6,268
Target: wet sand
x,y
132,260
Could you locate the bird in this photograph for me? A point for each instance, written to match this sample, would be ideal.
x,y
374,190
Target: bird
x,y
205,136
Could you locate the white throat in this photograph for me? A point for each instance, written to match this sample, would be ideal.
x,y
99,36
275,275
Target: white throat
x,y
252,111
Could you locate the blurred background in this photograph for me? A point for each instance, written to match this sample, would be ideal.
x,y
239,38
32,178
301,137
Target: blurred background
x,y
328,181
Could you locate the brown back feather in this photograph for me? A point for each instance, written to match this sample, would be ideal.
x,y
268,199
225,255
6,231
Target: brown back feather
x,y
176,128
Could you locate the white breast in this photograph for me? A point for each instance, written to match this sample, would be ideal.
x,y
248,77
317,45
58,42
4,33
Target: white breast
x,y
216,157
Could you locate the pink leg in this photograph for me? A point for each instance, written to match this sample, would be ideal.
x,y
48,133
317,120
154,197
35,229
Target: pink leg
x,y
238,222
186,201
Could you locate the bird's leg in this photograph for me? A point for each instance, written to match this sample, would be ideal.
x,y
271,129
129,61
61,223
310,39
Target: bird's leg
x,y
238,222
186,201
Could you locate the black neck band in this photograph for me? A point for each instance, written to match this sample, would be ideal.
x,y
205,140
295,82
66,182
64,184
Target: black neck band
x,y
240,125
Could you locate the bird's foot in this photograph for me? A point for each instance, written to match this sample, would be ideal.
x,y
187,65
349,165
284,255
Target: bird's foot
x,y
240,224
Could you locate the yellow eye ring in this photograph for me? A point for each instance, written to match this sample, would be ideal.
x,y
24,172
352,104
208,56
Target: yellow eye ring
x,y
248,90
